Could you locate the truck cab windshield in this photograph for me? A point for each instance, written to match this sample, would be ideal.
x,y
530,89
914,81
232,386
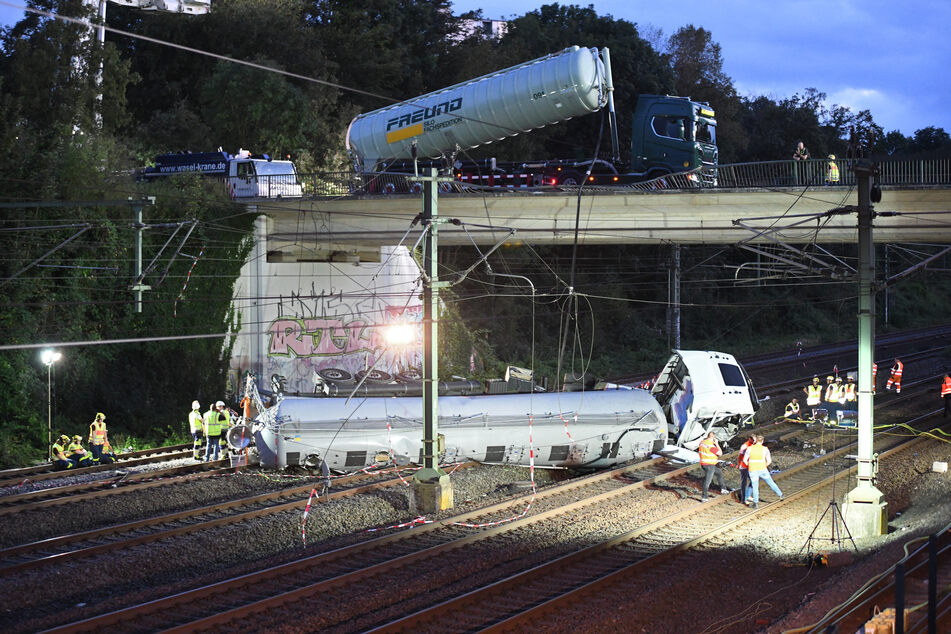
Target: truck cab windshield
x,y
274,168
706,133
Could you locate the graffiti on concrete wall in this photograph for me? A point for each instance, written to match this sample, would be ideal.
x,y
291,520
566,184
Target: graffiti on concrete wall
x,y
331,331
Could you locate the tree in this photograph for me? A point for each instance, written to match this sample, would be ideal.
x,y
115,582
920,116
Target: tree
x,y
698,69
51,71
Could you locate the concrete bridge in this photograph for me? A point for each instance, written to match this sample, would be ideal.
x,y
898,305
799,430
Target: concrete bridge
x,y
913,208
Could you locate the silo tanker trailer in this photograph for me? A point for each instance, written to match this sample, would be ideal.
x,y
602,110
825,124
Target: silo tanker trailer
x,y
669,134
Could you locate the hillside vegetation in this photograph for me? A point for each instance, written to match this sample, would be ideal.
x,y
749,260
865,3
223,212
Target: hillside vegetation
x,y
77,119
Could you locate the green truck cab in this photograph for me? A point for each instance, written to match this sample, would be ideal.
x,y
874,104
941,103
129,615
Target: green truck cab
x,y
671,134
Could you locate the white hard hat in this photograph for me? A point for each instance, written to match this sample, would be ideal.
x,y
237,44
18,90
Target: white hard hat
x,y
196,405
220,404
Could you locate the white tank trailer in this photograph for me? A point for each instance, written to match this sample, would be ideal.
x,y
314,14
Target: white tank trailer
x,y
697,391
502,104
568,429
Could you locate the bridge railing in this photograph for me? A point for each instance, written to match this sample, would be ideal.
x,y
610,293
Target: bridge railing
x,y
817,172
768,174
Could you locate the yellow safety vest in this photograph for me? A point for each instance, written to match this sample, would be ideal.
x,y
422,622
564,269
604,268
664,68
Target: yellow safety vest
x,y
97,432
849,392
832,393
832,172
212,428
792,409
813,394
76,447
756,456
194,421
707,452
59,452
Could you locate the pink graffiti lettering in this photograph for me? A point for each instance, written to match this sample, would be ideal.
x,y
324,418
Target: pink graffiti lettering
x,y
321,337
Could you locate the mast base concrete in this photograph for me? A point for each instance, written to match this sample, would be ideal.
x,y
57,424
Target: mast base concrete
x,y
432,491
866,511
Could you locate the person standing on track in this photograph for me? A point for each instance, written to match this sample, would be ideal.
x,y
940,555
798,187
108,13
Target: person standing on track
x,y
759,461
830,400
710,453
895,378
813,396
743,464
212,430
97,436
946,394
196,429
848,396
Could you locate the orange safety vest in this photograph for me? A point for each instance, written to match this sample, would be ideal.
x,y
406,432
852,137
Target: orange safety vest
x,y
813,394
756,458
97,432
708,451
946,386
745,454
897,368
849,392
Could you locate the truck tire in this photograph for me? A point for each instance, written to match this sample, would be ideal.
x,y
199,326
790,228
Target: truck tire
x,y
572,179
334,374
373,376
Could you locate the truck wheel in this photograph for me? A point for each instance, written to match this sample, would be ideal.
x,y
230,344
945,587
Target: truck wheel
x,y
373,376
334,374
572,179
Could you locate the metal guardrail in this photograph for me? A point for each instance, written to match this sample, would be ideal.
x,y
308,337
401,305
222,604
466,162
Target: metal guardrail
x,y
766,174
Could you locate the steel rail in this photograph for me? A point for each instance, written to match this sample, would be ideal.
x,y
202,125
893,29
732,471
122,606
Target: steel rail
x,y
120,484
604,565
45,472
220,611
9,563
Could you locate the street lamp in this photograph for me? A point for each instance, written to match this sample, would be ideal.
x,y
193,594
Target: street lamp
x,y
49,357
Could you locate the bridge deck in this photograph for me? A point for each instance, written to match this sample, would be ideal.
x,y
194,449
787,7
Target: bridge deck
x,y
796,215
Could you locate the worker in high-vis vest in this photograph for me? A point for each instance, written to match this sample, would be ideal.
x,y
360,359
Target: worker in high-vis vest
x,y
813,396
97,436
759,461
895,378
212,431
832,171
848,396
946,394
792,410
831,397
77,454
225,424
60,458
743,464
196,429
108,455
710,453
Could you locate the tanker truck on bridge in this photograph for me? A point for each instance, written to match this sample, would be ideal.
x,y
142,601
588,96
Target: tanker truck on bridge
x,y
669,134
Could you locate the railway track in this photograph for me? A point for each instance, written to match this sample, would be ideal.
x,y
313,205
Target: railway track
x,y
16,477
56,550
540,597
118,483
322,582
